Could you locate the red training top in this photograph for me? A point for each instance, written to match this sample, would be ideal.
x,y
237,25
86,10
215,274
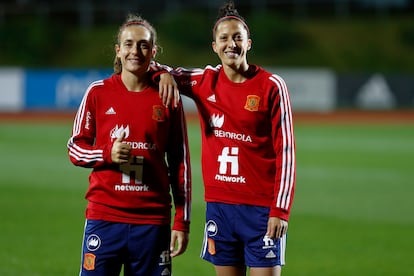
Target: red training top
x,y
248,145
139,191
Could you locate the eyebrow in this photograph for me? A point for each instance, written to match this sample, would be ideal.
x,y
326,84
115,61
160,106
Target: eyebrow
x,y
225,33
139,41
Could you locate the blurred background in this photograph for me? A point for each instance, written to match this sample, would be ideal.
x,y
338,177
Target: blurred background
x,y
349,66
332,53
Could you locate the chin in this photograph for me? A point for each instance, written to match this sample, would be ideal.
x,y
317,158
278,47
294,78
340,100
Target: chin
x,y
230,63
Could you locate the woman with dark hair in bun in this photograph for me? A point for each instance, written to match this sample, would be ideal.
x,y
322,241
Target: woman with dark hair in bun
x,y
248,153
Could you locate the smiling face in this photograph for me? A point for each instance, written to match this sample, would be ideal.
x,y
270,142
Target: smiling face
x,y
232,43
135,49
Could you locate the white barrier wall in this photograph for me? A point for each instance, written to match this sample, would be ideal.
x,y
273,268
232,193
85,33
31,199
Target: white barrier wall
x,y
310,89
318,90
11,89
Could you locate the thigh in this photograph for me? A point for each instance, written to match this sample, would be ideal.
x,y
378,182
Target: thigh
x,y
149,250
102,249
230,270
259,250
265,252
221,246
265,271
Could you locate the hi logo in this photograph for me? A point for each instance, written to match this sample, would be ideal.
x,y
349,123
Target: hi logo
x,y
229,156
229,166
268,242
165,257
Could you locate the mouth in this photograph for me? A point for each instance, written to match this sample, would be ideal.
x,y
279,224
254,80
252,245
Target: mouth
x,y
231,54
134,60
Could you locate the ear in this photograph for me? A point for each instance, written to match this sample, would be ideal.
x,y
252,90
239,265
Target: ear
x,y
214,46
154,51
117,49
249,44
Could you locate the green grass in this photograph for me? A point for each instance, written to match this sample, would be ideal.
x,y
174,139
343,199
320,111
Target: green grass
x,y
352,212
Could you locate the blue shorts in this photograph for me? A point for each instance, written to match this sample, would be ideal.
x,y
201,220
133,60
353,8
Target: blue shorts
x,y
234,235
142,249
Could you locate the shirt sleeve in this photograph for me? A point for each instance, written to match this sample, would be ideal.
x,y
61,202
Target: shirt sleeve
x,y
284,146
184,77
81,146
178,157
155,70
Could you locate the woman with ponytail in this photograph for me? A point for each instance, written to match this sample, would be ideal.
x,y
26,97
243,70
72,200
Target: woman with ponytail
x,y
137,148
248,153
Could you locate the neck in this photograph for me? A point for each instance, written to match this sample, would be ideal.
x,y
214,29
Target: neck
x,y
237,74
134,83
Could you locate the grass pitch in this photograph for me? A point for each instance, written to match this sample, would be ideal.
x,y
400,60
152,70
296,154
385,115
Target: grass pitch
x,y
352,212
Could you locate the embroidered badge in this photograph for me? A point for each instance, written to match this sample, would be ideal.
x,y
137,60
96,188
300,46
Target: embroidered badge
x,y
211,228
211,246
158,113
89,261
252,103
93,242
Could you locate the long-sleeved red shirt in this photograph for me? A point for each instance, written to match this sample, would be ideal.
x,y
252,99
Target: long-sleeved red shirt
x,y
248,145
139,191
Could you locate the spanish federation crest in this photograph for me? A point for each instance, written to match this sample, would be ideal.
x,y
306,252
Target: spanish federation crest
x,y
158,113
89,261
252,103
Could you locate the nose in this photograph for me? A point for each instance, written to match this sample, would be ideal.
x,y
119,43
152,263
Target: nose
x,y
135,49
231,43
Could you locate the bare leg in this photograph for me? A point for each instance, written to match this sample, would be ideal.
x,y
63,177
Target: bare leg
x,y
230,270
266,271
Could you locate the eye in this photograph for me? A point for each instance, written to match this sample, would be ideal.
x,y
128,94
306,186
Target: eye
x,y
239,37
223,38
144,46
128,44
